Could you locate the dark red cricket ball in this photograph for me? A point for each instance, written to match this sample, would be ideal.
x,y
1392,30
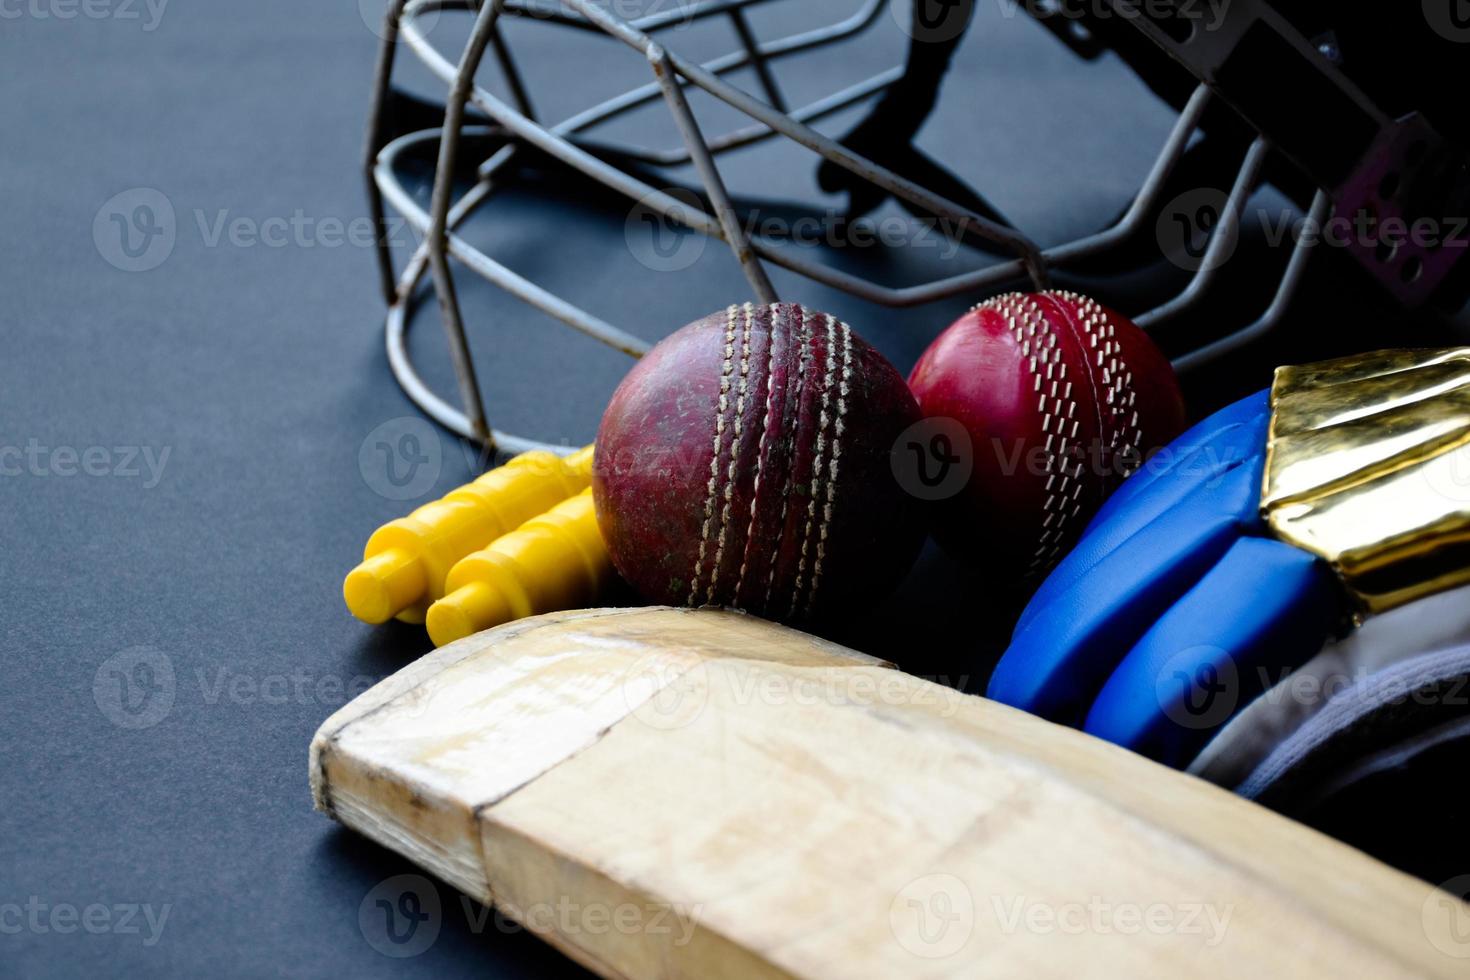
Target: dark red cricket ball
x,y
744,461
1062,399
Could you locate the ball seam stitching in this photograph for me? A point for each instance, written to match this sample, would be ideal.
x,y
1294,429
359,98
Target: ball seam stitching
x,y
834,459
712,491
1063,487
818,458
732,471
1057,406
794,405
1125,434
760,449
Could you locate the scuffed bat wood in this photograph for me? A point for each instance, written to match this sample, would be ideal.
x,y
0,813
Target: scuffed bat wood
x,y
677,793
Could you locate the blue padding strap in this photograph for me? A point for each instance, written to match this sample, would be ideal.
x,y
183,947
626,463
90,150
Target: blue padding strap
x,y
1264,609
1237,431
1198,460
1072,638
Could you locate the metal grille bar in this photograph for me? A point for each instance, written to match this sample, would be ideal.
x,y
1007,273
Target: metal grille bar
x,y
567,142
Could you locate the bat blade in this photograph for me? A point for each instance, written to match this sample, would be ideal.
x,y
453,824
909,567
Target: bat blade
x,y
663,793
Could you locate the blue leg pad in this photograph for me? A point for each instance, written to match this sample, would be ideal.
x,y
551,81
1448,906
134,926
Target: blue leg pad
x,y
1064,652
1262,611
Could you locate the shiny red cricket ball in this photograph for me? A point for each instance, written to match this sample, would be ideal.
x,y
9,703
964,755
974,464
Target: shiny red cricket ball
x,y
1062,399
744,461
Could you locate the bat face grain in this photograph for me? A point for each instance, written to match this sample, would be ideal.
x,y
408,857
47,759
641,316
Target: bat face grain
x,y
748,800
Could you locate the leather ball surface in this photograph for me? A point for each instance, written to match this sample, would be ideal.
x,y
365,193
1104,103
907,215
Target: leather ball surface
x,y
744,461
1062,399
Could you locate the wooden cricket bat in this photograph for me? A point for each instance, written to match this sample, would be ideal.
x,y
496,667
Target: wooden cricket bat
x,y
706,794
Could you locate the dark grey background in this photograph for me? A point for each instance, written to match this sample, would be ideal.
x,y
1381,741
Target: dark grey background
x,y
260,371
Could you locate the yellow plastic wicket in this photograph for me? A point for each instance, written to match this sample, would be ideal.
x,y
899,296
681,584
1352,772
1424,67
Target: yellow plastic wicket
x,y
406,561
552,562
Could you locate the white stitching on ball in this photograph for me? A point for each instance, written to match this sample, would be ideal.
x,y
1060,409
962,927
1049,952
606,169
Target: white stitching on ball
x,y
1062,486
1124,433
843,389
804,340
760,448
818,454
733,470
726,366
